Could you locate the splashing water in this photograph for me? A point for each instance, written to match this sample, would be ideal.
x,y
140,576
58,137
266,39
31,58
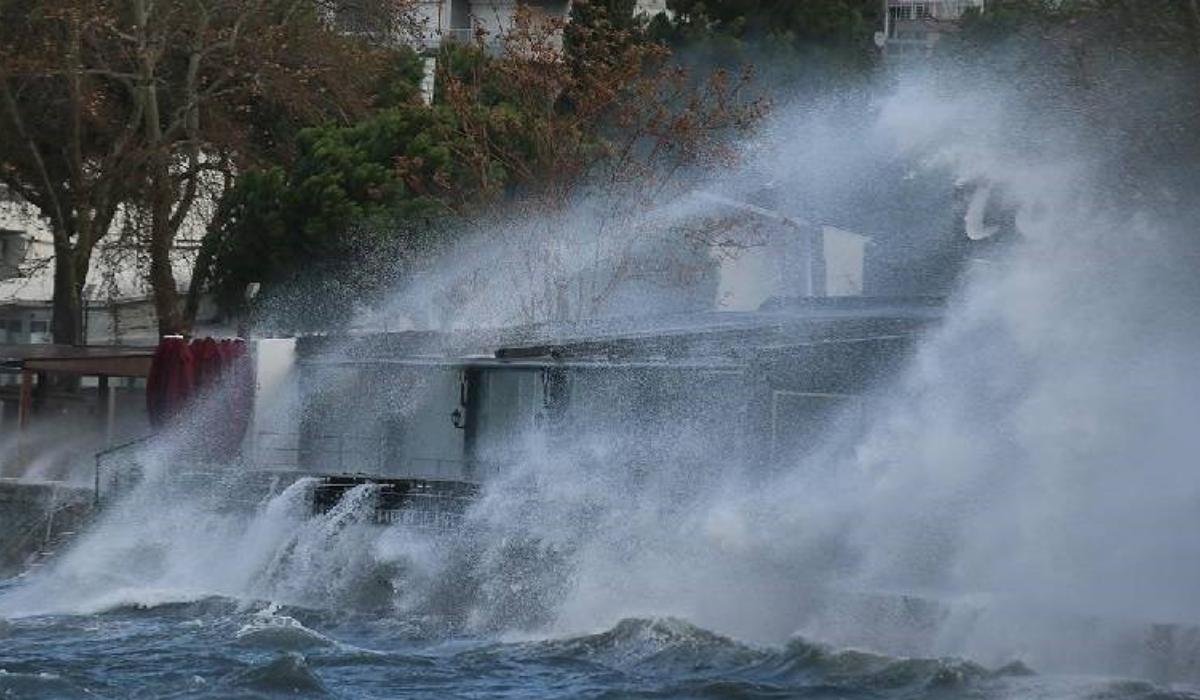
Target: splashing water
x,y
1025,491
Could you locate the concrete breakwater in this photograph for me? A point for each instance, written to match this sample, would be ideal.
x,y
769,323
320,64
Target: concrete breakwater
x,y
36,517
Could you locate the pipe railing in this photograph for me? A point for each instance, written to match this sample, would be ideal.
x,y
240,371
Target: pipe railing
x,y
111,460
118,469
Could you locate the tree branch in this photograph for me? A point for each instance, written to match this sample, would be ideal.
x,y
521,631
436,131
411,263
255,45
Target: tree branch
x,y
57,212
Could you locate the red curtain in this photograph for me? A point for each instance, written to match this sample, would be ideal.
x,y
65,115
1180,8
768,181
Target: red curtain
x,y
239,370
209,362
171,380
215,379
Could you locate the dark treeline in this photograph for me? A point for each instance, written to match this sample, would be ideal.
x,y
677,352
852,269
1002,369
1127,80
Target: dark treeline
x,y
1126,73
332,175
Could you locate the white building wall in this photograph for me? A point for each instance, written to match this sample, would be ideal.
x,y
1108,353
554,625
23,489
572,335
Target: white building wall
x,y
433,18
459,20
845,255
118,307
792,262
274,435
651,7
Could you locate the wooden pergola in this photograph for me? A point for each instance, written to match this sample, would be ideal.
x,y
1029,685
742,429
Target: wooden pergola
x,y
100,361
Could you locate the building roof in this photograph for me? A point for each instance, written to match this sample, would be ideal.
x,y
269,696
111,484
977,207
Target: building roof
x,y
91,360
694,337
779,322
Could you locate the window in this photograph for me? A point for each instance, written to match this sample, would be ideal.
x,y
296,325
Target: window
x,y
38,326
803,421
14,326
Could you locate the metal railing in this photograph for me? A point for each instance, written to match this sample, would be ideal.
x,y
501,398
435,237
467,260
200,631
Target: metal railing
x,y
277,459
117,468
412,503
421,519
431,41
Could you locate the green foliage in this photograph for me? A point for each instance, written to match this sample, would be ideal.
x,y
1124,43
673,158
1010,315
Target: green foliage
x,y
590,20
811,21
1122,72
522,125
1159,27
351,192
383,183
469,64
616,14
1005,19
789,43
400,82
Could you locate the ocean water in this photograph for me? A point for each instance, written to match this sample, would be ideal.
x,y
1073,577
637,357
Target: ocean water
x,y
220,648
276,602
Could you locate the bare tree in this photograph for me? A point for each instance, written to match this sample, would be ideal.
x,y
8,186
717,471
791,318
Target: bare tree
x,y
595,140
121,105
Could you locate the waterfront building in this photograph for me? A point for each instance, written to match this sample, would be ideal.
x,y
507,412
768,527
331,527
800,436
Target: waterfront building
x,y
755,386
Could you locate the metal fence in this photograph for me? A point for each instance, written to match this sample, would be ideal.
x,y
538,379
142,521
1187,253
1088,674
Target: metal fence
x,y
276,458
119,469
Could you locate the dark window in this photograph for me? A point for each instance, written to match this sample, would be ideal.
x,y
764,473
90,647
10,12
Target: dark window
x,y
38,326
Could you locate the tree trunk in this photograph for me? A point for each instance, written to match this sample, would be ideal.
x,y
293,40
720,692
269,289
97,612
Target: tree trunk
x,y
66,325
166,298
200,273
162,239
162,277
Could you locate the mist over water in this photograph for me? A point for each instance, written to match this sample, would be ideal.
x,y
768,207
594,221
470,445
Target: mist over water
x,y
1032,472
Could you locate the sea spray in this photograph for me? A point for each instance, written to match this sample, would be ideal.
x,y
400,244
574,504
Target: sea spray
x,y
1019,481
1017,493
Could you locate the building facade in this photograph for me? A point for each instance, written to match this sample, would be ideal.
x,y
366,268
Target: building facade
x,y
118,306
754,386
912,28
437,21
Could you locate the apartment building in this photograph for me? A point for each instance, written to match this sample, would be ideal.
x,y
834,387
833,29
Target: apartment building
x,y
118,306
912,28
436,21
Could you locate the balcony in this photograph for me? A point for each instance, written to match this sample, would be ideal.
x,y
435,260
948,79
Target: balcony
x,y
938,10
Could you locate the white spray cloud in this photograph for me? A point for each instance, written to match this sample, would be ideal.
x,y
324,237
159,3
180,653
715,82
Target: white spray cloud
x,y
1038,454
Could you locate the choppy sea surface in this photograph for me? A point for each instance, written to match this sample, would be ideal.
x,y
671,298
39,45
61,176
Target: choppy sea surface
x,y
218,648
